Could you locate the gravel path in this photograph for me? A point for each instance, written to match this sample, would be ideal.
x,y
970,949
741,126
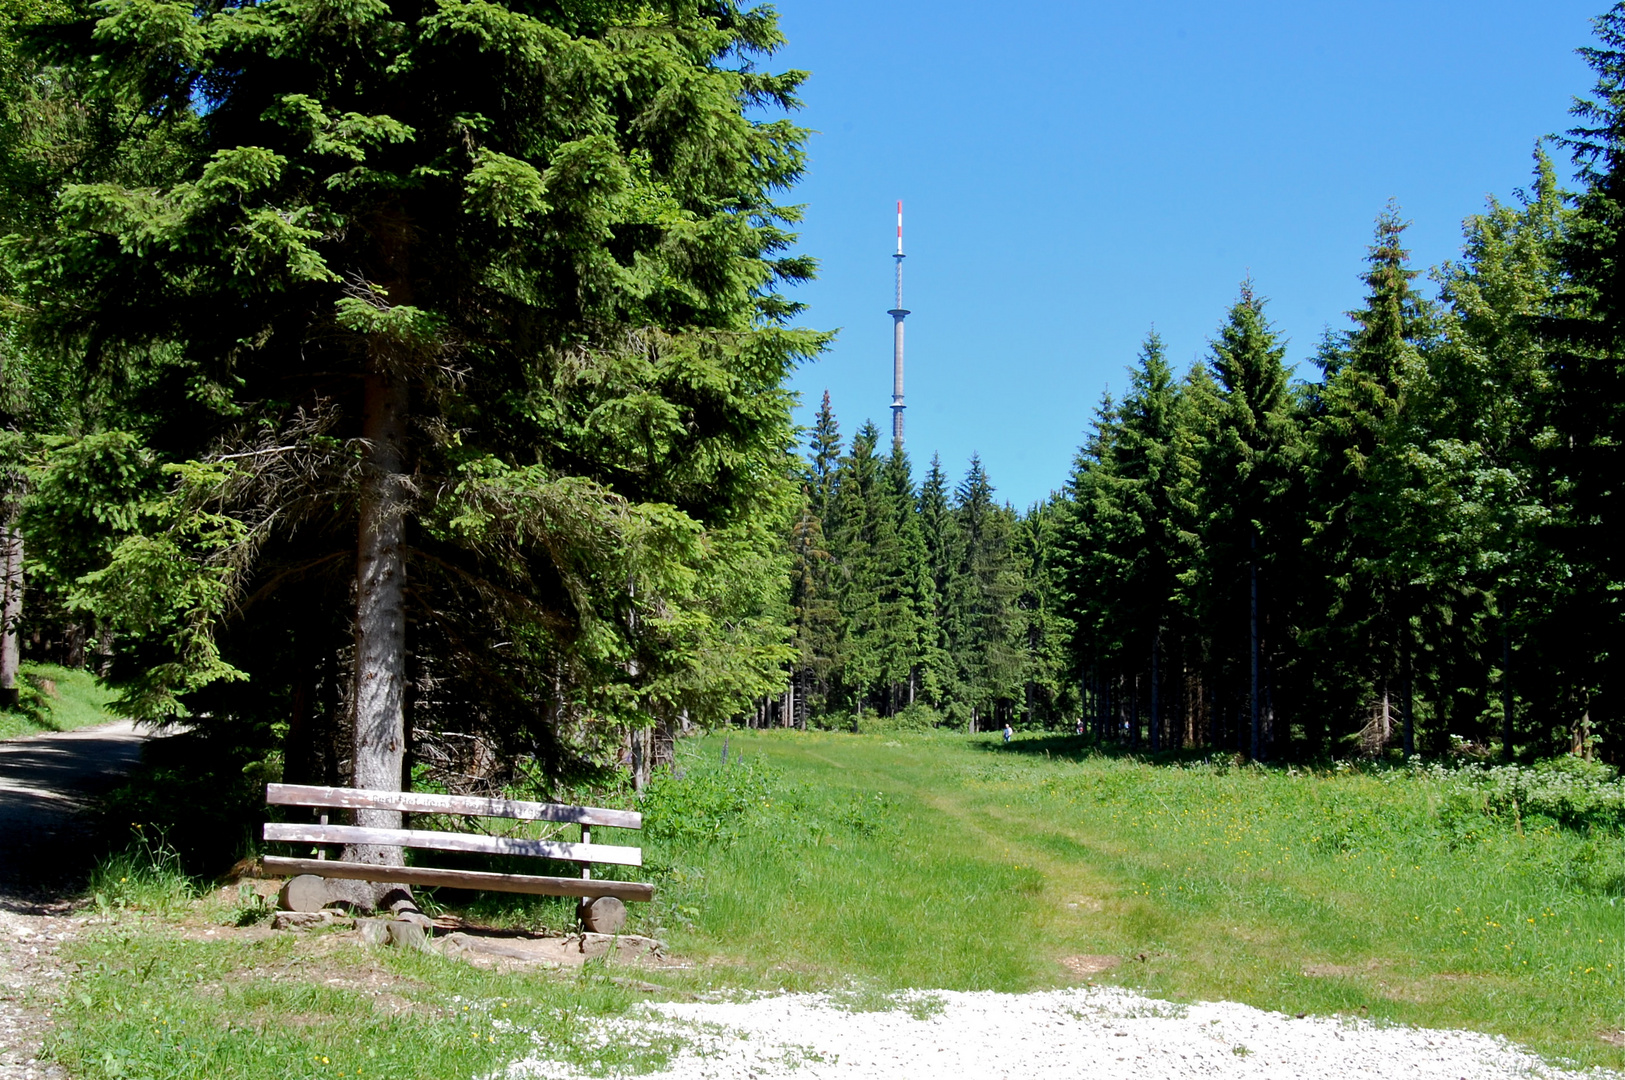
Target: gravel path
x,y
45,781
1076,1034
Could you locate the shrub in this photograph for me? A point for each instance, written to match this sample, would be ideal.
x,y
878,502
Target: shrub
x,y
1569,791
916,717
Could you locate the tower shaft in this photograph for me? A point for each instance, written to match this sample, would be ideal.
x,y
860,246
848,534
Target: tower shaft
x,y
898,314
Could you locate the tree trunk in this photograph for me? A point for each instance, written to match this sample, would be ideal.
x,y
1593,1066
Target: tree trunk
x,y
1252,568
1407,703
642,757
1156,694
380,625
11,612
1506,695
104,650
1134,715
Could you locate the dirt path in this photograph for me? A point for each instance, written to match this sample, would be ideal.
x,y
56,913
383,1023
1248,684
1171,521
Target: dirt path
x,y
45,782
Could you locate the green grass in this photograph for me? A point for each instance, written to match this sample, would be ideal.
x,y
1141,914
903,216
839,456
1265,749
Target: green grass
x,y
155,1000
56,698
873,864
945,862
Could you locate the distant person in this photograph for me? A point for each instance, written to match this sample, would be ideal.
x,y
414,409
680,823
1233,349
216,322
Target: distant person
x,y
1079,731
1007,731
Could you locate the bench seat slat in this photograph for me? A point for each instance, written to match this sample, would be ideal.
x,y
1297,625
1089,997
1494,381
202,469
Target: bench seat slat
x,y
449,841
534,885
418,802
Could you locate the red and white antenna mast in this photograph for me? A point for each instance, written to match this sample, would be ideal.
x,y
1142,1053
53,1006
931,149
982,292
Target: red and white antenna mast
x,y
898,314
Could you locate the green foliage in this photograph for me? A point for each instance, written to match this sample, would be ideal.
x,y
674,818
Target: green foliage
x,y
554,232
1576,794
145,877
914,717
705,806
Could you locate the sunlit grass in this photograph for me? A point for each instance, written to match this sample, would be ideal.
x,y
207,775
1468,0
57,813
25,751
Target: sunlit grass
x,y
155,1001
1297,891
872,864
72,698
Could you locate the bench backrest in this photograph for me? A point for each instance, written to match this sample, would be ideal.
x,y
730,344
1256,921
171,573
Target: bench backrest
x,y
413,802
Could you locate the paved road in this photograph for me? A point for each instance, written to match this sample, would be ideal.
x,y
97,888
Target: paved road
x,y
45,781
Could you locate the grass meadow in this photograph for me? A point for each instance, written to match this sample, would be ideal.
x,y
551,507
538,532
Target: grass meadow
x,y
946,862
873,863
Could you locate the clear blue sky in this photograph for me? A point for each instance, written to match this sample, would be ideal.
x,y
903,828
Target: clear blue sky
x,y
1076,173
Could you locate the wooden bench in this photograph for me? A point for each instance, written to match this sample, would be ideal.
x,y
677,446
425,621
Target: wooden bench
x,y
325,799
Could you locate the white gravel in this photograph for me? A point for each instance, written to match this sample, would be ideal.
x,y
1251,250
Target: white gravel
x,y
1080,1033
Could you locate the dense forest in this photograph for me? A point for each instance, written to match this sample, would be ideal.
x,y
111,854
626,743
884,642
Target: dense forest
x,y
400,389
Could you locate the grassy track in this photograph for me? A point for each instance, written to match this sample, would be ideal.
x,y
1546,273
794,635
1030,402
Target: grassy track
x,y
937,861
73,700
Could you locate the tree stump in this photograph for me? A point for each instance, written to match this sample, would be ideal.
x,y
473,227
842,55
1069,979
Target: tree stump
x,y
602,915
307,892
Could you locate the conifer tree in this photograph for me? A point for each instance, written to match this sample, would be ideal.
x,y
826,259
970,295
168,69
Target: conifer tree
x,y
939,531
985,625
1588,344
1365,643
1485,481
914,628
468,309
825,456
1250,531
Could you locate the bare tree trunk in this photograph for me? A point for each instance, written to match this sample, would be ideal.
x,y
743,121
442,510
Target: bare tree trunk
x,y
1252,569
1134,715
11,612
1506,694
641,757
104,650
1156,694
1407,703
380,625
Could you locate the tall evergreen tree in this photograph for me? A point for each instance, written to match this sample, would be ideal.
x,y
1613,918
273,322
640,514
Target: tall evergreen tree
x,y
1250,531
469,312
1359,529
1485,483
985,624
1588,345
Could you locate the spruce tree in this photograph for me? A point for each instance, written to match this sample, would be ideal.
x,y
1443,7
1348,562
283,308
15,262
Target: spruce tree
x,y
939,531
467,311
985,630
1588,345
1359,531
1249,532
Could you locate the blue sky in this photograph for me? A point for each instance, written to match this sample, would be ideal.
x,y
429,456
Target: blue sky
x,y
1077,173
